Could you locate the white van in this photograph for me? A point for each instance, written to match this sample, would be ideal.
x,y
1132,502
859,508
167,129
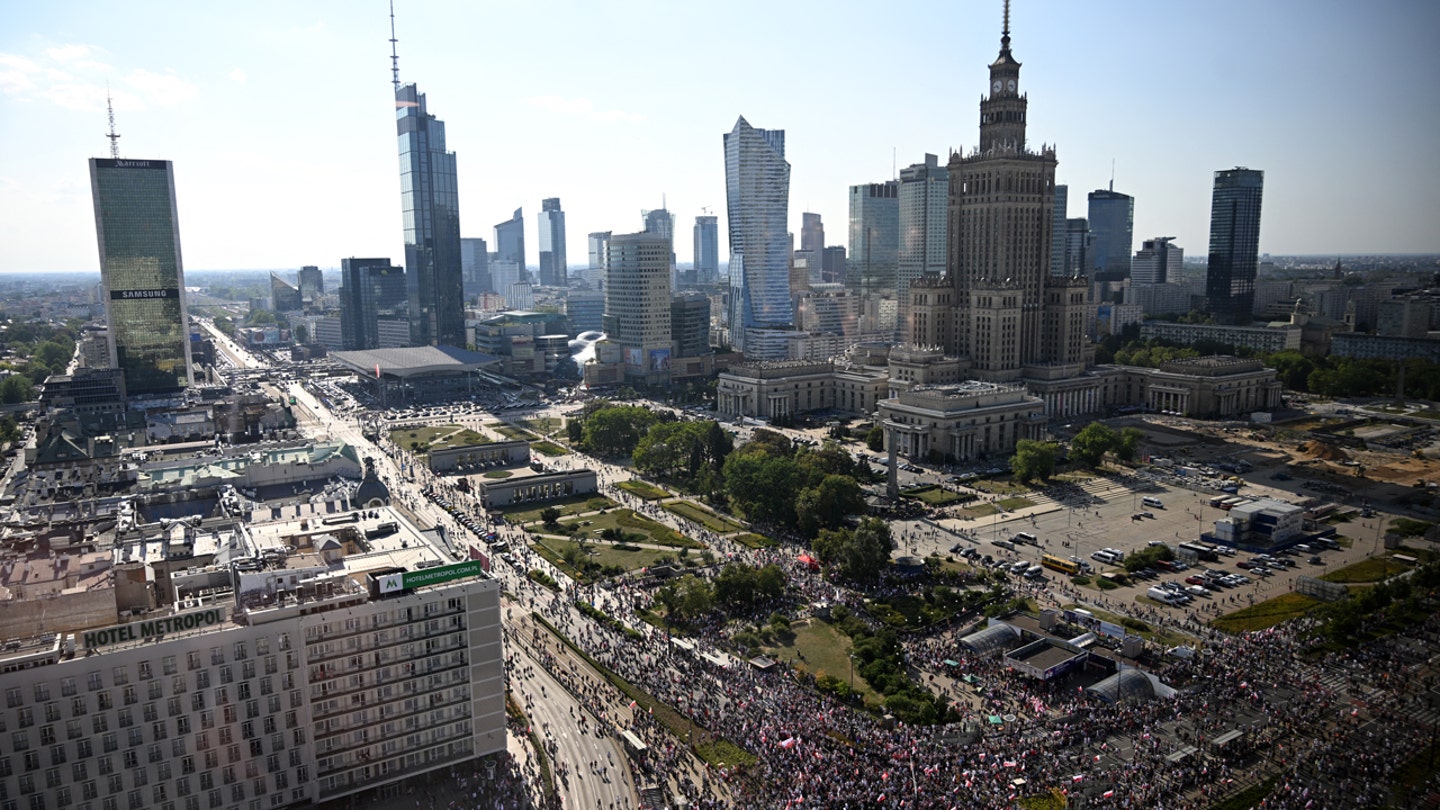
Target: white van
x,y
1153,502
1026,537
1162,595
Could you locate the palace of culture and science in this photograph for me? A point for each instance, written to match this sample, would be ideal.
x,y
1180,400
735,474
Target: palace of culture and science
x,y
997,347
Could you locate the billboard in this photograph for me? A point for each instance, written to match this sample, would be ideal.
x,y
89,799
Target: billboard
x,y
409,580
659,359
635,358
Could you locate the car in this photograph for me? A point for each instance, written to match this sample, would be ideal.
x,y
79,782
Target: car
x,y
1150,515
1195,580
1198,590
1261,570
1241,579
1315,560
955,549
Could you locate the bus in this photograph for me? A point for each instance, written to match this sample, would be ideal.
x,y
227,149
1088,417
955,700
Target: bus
x,y
1060,564
1232,502
1202,551
1217,500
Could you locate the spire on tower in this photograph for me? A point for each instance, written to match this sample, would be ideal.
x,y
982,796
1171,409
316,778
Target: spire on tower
x,y
113,136
395,57
1005,31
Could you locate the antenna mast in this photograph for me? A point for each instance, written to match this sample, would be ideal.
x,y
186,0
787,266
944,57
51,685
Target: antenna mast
x,y
394,56
113,136
1112,174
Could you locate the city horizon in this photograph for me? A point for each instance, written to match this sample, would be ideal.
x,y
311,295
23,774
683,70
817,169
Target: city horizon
x,y
176,104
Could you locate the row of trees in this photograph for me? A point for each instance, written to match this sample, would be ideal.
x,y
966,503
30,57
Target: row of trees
x,y
738,587
801,489
1036,460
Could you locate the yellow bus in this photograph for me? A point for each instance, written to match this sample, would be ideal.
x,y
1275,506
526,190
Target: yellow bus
x,y
1060,564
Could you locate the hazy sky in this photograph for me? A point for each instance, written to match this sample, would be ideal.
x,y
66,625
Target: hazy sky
x,y
279,116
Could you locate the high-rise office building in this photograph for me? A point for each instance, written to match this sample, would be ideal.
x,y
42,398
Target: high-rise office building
x,y
475,266
690,324
707,250
138,229
660,222
311,282
1156,262
757,202
637,303
924,197
430,200
510,242
554,270
1234,244
598,242
1077,247
812,234
874,238
998,303
371,291
1112,233
832,265
1057,234
284,296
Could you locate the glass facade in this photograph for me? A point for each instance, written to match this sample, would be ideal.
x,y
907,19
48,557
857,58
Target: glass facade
x,y
1234,244
757,198
707,250
1112,232
430,200
140,268
369,289
554,269
510,244
874,238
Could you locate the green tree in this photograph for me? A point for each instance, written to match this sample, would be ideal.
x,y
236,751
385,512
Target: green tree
x,y
16,388
302,333
616,430
1092,443
1127,444
9,430
875,439
860,554
686,599
1034,460
55,354
550,516
827,504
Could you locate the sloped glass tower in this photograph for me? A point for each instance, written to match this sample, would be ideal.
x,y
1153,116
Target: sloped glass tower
x,y
757,199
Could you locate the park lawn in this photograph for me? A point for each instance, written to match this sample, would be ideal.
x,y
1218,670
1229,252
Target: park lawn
x,y
545,424
933,495
1011,504
826,651
1001,486
1266,614
627,521
512,432
530,512
1374,569
605,554
978,510
407,437
753,540
643,490
703,516
549,448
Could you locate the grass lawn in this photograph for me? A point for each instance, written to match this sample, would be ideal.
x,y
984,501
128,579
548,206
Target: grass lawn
x,y
1011,504
512,432
554,549
978,510
998,486
530,512
1374,569
643,490
933,495
548,448
753,540
435,437
498,474
544,424
826,651
627,521
703,516
1266,614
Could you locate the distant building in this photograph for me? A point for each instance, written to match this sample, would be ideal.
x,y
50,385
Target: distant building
x,y
637,304
874,238
1077,247
1408,317
1384,347
812,233
1057,233
431,203
960,422
924,196
554,271
757,198
1156,262
284,296
311,283
690,324
706,267
475,266
372,292
597,243
142,275
585,310
1234,244
510,243
832,266
1112,231
1257,338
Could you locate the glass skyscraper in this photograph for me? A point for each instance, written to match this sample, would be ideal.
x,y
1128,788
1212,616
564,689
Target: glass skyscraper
x,y
757,199
431,204
554,270
707,249
1112,232
141,272
369,289
1234,244
510,243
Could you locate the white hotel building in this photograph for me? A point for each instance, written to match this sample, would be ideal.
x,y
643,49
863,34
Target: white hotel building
x,y
303,682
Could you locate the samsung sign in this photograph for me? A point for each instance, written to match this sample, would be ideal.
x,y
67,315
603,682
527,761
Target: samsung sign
x,y
131,295
409,580
151,628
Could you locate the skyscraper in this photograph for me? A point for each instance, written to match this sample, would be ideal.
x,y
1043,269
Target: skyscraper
x,y
874,238
1057,233
812,234
1077,246
430,201
1156,262
312,282
370,289
598,242
998,303
138,229
475,266
707,249
660,222
554,271
510,241
1112,233
757,200
637,303
1234,244
924,195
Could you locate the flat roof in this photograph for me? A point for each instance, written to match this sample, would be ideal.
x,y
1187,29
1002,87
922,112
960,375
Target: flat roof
x,y
414,361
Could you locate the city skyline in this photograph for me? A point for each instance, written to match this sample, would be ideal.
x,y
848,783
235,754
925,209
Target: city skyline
x,y
1259,87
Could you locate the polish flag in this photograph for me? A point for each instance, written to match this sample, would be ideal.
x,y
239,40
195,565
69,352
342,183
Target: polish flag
x,y
1077,778
1107,794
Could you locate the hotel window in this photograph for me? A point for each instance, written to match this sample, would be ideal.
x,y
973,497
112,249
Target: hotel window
x,y
197,701
168,665
42,692
192,659
144,670
217,656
